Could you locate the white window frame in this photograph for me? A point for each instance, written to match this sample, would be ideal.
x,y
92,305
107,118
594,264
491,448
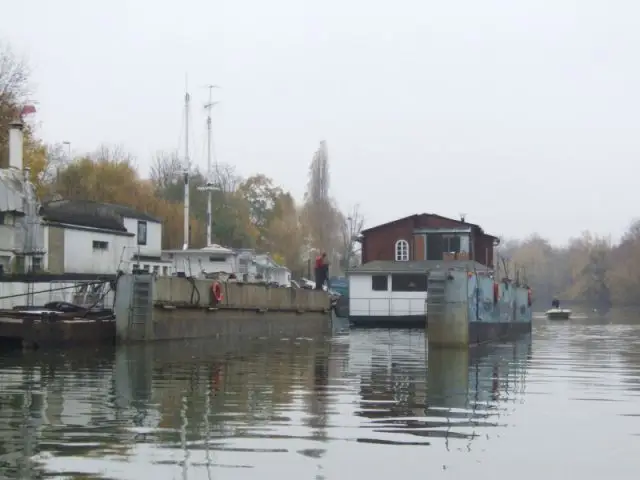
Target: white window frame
x,y
402,251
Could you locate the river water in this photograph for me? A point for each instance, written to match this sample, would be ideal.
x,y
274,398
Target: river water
x,y
366,404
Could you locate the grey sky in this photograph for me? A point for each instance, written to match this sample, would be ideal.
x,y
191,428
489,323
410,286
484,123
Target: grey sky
x,y
523,114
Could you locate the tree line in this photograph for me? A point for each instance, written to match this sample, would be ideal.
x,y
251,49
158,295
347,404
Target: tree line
x,y
253,212
589,269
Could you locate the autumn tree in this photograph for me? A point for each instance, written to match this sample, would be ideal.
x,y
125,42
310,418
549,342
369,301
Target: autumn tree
x,y
231,225
285,236
262,198
322,218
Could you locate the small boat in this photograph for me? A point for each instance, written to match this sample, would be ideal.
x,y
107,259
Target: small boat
x,y
558,314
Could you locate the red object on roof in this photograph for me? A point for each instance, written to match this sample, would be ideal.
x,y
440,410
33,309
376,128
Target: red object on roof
x,y
28,110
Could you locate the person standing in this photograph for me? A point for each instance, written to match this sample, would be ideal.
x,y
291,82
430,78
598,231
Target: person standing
x,y
321,270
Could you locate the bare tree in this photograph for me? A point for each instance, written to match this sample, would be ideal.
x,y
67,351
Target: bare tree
x,y
226,178
14,76
14,92
57,160
352,225
165,169
112,154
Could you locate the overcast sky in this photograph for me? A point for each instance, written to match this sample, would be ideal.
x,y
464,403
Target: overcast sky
x,y
521,114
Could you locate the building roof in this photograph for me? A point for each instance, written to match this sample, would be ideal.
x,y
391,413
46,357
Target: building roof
x,y
83,213
79,212
128,212
417,215
420,266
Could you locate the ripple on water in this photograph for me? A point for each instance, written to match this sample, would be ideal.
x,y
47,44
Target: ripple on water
x,y
315,409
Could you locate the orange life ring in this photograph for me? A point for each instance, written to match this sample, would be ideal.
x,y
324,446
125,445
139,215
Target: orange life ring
x,y
216,289
496,292
529,297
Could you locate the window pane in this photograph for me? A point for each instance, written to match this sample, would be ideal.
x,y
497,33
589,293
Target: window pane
x,y
435,246
454,244
409,282
142,232
379,283
402,251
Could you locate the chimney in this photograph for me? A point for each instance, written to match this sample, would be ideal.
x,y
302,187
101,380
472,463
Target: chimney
x,y
16,143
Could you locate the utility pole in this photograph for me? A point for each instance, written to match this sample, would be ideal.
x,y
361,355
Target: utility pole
x,y
209,187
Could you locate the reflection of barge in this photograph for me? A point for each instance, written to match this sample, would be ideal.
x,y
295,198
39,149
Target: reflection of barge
x,y
457,392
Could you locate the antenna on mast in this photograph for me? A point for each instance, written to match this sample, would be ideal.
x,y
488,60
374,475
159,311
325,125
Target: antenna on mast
x,y
209,187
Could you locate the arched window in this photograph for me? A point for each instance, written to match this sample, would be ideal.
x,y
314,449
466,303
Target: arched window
x,y
402,251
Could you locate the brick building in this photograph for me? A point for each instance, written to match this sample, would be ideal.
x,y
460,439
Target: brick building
x,y
427,236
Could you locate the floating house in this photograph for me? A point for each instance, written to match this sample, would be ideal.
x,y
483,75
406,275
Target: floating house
x,y
391,284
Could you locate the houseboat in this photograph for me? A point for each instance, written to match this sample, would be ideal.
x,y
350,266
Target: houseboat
x,y
429,268
390,287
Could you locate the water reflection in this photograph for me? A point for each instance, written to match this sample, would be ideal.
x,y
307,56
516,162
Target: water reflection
x,y
315,408
458,393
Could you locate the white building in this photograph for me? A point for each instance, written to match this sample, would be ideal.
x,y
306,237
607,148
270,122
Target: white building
x,y
95,238
388,292
147,242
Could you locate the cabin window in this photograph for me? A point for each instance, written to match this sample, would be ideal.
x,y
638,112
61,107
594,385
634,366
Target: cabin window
x,y
217,258
402,251
156,269
379,283
439,244
165,271
408,282
36,264
451,243
100,245
142,232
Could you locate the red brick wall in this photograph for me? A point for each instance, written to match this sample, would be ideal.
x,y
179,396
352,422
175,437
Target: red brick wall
x,y
379,244
419,241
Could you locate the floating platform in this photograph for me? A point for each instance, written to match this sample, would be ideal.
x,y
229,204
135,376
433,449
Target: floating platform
x,y
152,308
149,308
48,328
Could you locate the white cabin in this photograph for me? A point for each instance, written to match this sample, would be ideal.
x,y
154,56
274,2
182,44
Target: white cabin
x,y
247,265
383,291
199,262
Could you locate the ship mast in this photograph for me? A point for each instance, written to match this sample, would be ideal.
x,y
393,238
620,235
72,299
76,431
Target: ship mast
x,y
187,168
209,187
